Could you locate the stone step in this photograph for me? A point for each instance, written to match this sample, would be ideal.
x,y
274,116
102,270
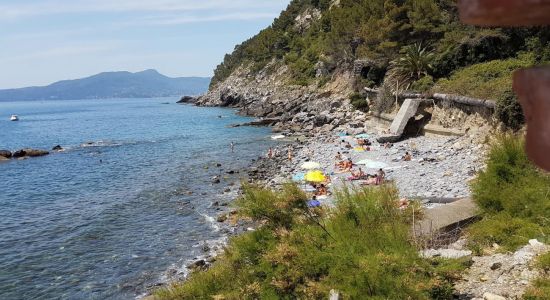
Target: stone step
x,y
440,130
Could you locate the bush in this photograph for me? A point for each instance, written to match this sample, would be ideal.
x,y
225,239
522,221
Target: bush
x,y
509,112
511,183
423,85
508,232
514,197
543,262
539,291
362,250
359,102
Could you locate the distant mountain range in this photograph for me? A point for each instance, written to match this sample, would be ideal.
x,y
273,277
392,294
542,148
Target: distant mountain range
x,y
145,84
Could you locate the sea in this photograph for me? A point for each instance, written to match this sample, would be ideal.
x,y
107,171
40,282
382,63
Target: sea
x,y
127,202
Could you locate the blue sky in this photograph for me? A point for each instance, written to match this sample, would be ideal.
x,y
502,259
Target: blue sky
x,y
42,41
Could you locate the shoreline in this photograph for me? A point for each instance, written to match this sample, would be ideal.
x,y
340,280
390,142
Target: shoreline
x,y
455,164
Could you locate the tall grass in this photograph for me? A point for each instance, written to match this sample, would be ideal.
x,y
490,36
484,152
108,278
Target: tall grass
x,y
361,248
540,290
514,197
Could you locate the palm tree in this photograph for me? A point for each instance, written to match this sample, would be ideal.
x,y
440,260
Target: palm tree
x,y
413,65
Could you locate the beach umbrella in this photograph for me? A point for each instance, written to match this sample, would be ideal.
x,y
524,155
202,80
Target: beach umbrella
x,y
315,176
362,136
342,134
371,164
310,165
359,149
298,177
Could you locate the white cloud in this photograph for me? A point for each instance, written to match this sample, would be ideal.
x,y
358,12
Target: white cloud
x,y
175,20
18,10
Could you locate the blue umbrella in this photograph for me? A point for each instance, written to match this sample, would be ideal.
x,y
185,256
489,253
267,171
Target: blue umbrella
x,y
362,136
299,177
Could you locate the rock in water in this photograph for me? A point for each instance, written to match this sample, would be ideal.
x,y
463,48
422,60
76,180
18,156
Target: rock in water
x,y
197,264
35,152
187,99
57,148
29,153
5,153
19,153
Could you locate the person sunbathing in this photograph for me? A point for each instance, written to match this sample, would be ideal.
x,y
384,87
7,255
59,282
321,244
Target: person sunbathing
x,y
328,180
322,190
338,156
346,166
407,157
349,165
370,181
403,203
359,175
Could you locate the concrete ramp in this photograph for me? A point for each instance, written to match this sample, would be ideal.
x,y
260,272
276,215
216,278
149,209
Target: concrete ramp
x,y
406,112
445,216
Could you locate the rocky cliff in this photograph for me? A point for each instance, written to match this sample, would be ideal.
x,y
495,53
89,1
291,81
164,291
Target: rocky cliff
x,y
310,68
296,108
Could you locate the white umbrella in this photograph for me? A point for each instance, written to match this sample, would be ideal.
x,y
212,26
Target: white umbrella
x,y
371,164
310,165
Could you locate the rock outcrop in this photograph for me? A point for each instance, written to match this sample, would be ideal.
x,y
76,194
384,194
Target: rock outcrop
x,y
501,275
29,153
297,108
5,153
187,99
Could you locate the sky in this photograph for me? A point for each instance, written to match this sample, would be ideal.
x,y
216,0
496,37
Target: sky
x,y
43,41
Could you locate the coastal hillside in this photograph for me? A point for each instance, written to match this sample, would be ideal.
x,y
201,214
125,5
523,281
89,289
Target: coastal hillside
x,y
318,57
145,84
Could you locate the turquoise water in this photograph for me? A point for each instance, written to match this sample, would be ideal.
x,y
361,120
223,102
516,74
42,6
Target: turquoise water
x,y
108,216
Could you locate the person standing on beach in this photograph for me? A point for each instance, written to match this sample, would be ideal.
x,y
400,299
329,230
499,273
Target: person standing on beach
x,y
289,153
270,153
380,177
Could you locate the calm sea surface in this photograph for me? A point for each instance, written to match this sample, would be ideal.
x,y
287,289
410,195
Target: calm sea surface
x,y
111,214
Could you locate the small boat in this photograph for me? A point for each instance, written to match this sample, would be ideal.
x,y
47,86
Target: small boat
x,y
14,118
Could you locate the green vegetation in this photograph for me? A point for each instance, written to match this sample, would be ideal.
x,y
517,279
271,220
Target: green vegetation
x,y
360,248
543,262
540,289
514,197
381,31
359,101
415,42
413,64
491,80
